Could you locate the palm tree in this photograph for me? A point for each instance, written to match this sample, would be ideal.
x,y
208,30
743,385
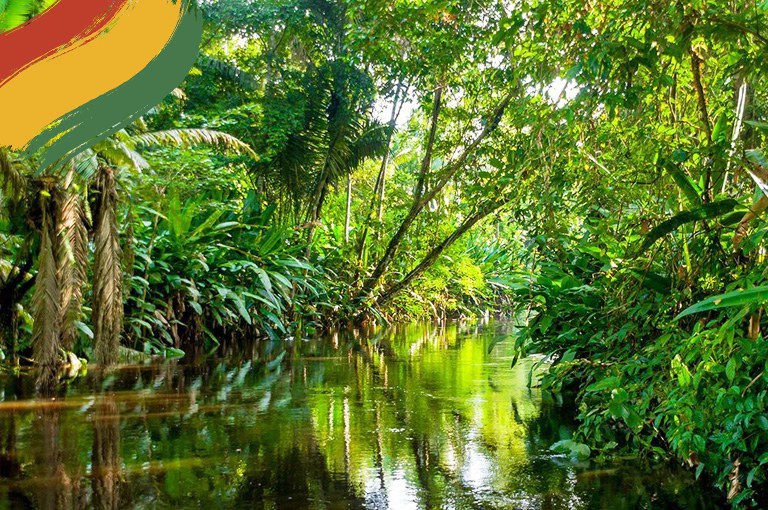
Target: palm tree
x,y
55,220
103,165
16,248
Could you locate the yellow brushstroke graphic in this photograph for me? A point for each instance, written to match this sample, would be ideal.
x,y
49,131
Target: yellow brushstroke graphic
x,y
61,83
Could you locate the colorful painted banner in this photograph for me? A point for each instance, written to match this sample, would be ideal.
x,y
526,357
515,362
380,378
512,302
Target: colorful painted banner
x,y
82,69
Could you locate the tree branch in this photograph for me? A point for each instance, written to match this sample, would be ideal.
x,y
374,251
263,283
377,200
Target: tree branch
x,y
484,210
421,201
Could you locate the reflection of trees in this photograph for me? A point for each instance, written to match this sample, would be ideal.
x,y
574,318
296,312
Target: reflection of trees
x,y
56,487
10,461
418,417
10,466
105,459
416,404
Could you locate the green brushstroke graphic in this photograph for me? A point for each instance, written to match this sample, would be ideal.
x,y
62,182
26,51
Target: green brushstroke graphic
x,y
107,114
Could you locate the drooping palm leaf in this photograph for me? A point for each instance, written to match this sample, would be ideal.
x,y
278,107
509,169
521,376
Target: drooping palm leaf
x,y
107,270
188,138
45,301
746,297
71,261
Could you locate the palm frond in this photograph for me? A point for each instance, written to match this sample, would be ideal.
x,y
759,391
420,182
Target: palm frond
x,y
229,72
14,183
45,301
71,261
86,164
16,12
371,143
107,270
188,138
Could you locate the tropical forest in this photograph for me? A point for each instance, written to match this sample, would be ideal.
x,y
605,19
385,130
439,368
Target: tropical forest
x,y
394,254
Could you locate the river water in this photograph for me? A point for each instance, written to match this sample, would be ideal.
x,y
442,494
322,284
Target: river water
x,y
420,416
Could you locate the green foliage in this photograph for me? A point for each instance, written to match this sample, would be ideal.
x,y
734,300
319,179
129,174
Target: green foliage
x,y
596,174
705,212
207,271
746,297
576,451
17,12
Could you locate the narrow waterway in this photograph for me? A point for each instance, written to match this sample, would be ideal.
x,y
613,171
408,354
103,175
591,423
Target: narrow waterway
x,y
411,417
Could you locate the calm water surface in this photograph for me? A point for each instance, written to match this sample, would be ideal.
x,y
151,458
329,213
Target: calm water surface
x,y
414,417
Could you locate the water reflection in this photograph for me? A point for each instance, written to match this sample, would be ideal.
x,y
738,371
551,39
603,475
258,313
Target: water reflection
x,y
415,417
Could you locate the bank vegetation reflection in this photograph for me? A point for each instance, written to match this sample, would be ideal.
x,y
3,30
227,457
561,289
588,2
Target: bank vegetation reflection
x,y
402,418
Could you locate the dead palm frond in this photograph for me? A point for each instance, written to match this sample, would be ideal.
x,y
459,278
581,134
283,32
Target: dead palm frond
x,y
14,183
107,270
45,301
71,261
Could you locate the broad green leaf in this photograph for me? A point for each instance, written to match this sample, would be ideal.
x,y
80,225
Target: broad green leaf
x,y
608,383
577,451
240,304
688,187
705,212
746,297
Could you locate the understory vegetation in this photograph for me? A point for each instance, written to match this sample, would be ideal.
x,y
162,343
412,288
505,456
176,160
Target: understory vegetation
x,y
594,171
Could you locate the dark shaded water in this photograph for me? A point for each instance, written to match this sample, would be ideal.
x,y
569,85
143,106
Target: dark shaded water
x,y
416,417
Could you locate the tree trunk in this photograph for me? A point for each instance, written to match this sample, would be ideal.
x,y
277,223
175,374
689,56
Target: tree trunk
x,y
378,188
742,100
698,85
107,271
432,257
421,196
382,178
348,213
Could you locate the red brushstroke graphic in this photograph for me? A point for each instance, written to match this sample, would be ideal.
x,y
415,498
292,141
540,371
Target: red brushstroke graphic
x,y
66,22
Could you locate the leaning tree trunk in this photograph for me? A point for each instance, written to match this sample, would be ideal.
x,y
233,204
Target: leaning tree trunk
x,y
107,271
483,210
45,301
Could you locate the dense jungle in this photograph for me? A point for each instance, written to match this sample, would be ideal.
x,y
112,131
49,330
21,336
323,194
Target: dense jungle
x,y
564,199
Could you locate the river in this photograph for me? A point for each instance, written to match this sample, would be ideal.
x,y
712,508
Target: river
x,y
417,416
